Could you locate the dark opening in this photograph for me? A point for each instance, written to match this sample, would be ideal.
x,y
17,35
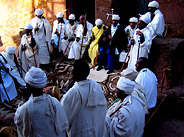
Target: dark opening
x,y
129,8
79,7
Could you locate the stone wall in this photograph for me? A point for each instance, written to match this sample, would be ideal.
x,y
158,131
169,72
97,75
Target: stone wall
x,y
15,14
173,11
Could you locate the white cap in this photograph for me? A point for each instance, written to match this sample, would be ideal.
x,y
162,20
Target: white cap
x,y
98,22
36,77
153,4
145,18
38,12
28,26
10,49
126,85
115,17
71,17
129,73
133,19
59,15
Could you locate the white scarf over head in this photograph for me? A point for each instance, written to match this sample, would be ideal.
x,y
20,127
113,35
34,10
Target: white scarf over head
x,y
36,77
126,85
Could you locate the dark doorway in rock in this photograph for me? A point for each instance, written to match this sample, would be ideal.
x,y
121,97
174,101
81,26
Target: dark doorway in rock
x,y
129,8
79,7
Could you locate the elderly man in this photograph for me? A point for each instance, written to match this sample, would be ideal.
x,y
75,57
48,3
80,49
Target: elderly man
x,y
127,118
97,32
7,86
84,104
84,31
42,29
142,41
157,24
28,50
113,42
130,29
13,66
58,33
147,79
71,30
42,115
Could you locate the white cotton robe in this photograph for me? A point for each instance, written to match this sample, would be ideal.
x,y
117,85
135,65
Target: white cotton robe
x,y
157,25
71,31
144,49
61,29
85,106
129,120
29,57
13,68
44,37
147,79
131,32
8,84
41,116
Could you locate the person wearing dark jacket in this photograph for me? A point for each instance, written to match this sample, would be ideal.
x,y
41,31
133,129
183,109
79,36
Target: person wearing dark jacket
x,y
111,44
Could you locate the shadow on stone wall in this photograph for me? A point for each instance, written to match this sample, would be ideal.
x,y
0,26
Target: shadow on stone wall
x,y
166,55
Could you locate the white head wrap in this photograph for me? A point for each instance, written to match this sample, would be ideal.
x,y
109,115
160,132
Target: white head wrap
x,y
71,17
145,18
129,73
38,12
154,4
98,22
126,85
115,17
36,77
133,19
10,49
59,15
28,26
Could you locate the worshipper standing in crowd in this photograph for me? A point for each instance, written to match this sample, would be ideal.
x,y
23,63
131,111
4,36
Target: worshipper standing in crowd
x,y
28,50
42,115
97,32
84,31
7,86
130,29
157,24
127,118
142,41
71,30
42,29
85,104
112,42
74,53
13,66
147,79
58,34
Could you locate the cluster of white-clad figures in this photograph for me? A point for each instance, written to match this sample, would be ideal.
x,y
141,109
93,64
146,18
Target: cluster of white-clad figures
x,y
82,111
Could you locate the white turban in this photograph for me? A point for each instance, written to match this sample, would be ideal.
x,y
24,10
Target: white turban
x,y
59,15
28,26
145,18
126,85
115,17
153,4
38,12
98,22
129,73
36,77
10,49
71,17
133,19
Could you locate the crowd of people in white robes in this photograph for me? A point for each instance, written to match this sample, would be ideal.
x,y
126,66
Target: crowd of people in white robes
x,y
82,111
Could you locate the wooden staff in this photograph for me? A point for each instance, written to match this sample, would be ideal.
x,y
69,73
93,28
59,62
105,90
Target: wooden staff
x,y
83,35
124,63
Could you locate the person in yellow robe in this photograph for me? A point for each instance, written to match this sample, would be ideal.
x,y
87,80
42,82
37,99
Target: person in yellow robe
x,y
97,31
